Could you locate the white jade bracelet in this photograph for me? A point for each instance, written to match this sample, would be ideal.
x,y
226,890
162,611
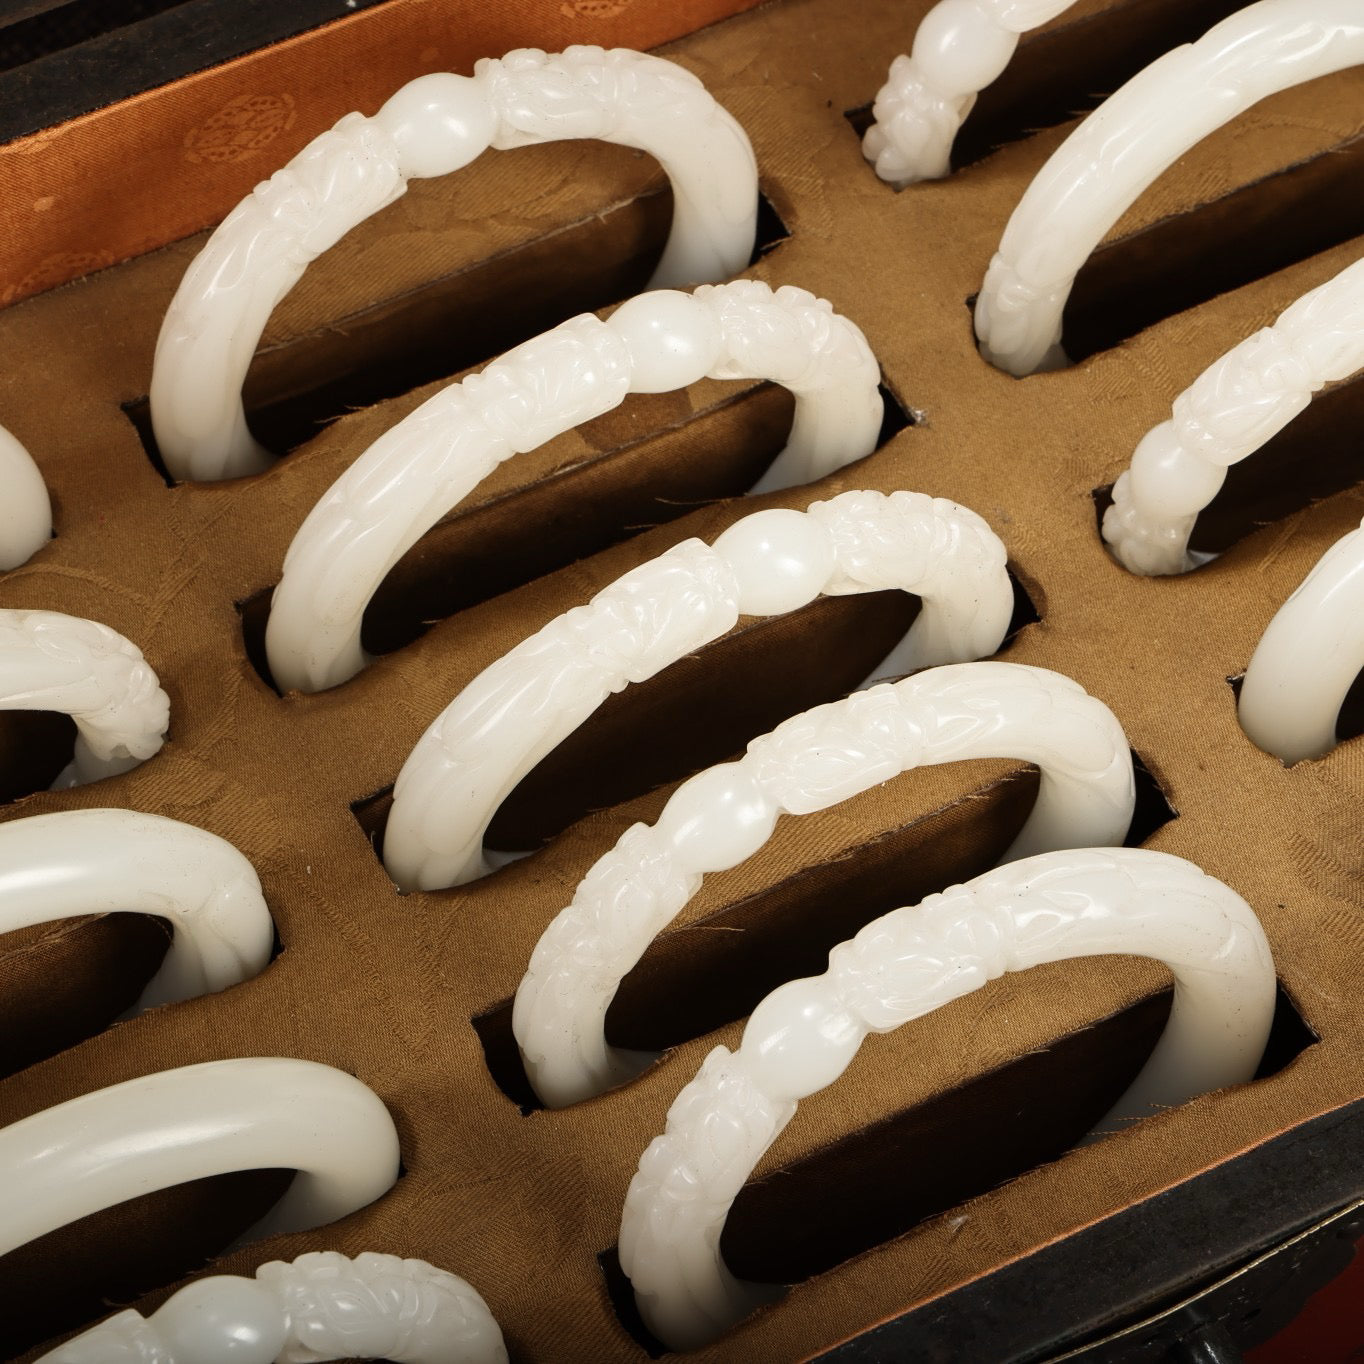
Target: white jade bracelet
x,y
1226,414
810,762
264,1113
521,707
83,669
323,1305
1131,139
25,509
431,460
432,126
960,47
117,861
907,963
1308,657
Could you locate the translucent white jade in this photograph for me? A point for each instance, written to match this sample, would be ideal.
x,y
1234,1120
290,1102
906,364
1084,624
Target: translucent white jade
x,y
804,1034
1133,137
114,861
431,460
323,1305
521,707
960,47
25,509
263,1113
1226,414
810,762
63,663
432,126
1308,657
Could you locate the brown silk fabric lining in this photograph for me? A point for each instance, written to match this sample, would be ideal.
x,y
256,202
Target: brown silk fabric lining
x,y
410,993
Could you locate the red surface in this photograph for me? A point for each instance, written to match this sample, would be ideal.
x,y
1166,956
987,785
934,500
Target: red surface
x,y
1329,1330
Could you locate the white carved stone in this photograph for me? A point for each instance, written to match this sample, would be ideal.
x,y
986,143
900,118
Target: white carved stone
x,y
80,862
900,967
173,1126
960,47
431,460
521,707
1237,404
50,661
321,1306
25,509
432,126
810,762
1308,658
1133,137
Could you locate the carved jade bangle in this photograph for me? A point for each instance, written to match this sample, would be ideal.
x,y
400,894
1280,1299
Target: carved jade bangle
x,y
264,1113
810,762
909,962
1228,413
323,1305
415,473
25,510
432,126
1131,139
1308,657
960,47
87,671
115,861
521,707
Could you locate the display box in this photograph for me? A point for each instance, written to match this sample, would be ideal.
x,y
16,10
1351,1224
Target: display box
x,y
932,1204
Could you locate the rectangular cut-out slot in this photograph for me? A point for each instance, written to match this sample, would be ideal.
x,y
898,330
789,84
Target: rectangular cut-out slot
x,y
1182,261
700,710
297,387
786,1227
683,460
879,1183
697,978
119,1254
64,982
1315,456
1070,69
34,747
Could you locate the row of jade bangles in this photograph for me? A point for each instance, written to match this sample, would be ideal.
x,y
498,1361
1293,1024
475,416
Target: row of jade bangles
x,y
428,463
105,1147
1065,887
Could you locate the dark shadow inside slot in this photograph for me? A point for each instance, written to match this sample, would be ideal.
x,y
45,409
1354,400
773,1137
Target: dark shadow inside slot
x,y
1152,810
1315,456
697,978
1029,607
659,461
870,1187
65,982
1190,258
34,747
62,983
1350,724
117,1255
1068,70
296,388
